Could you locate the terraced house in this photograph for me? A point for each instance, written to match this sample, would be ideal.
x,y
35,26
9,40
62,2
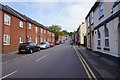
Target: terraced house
x,y
90,30
18,28
107,28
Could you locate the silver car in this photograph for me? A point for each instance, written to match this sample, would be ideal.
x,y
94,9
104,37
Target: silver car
x,y
44,45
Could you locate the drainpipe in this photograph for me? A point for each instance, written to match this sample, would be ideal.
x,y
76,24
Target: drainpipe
x,y
26,32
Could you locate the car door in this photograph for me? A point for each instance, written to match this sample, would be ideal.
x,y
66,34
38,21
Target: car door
x,y
35,47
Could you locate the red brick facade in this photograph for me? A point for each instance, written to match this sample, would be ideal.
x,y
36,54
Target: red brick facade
x,y
15,32
0,31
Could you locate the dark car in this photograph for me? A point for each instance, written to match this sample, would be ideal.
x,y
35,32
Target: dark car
x,y
52,44
28,48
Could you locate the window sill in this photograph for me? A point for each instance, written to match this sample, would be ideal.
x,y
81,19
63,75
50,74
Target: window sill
x,y
21,27
107,49
101,17
6,44
20,42
99,48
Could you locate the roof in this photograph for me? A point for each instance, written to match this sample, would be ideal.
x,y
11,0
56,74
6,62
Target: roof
x,y
93,8
8,10
21,16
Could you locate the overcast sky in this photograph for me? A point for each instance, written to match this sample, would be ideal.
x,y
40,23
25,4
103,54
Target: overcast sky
x,y
69,15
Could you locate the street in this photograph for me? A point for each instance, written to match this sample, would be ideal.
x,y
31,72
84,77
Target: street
x,y
60,61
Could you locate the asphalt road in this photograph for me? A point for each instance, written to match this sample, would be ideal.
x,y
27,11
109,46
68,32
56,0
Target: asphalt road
x,y
61,61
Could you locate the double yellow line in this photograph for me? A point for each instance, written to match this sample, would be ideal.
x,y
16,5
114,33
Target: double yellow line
x,y
85,65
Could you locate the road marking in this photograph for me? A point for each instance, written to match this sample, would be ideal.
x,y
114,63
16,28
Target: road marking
x,y
82,60
8,75
89,68
42,57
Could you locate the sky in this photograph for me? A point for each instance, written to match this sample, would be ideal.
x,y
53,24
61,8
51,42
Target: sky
x,y
68,15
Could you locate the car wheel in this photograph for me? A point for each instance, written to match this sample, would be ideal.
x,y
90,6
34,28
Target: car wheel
x,y
31,51
39,49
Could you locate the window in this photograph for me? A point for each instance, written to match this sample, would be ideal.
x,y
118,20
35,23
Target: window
x,y
48,39
20,39
89,40
6,39
41,30
88,22
36,40
106,37
30,39
44,31
21,24
36,29
99,36
6,19
92,17
101,9
44,40
41,39
29,26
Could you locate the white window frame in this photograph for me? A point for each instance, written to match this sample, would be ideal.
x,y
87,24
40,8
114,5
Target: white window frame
x,y
30,39
7,19
44,31
30,26
21,24
48,32
101,9
106,38
36,29
7,40
92,17
48,39
98,39
41,30
20,39
36,41
41,39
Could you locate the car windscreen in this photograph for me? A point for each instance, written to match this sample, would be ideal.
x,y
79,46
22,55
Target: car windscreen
x,y
43,43
24,44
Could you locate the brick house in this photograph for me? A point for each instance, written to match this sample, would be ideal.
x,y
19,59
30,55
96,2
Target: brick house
x,y
12,30
17,29
90,28
0,29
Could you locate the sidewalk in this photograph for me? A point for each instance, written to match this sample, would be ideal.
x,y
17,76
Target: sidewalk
x,y
105,67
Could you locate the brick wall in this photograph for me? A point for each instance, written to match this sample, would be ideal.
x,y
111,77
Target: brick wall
x,y
15,32
0,32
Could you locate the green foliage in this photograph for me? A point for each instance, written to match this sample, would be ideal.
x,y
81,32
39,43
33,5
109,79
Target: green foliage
x,y
57,30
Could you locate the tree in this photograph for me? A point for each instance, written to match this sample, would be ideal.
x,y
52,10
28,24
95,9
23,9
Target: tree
x,y
65,32
54,28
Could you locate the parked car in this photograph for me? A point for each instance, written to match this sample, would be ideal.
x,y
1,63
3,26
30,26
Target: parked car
x,y
52,44
44,45
57,42
28,48
62,42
